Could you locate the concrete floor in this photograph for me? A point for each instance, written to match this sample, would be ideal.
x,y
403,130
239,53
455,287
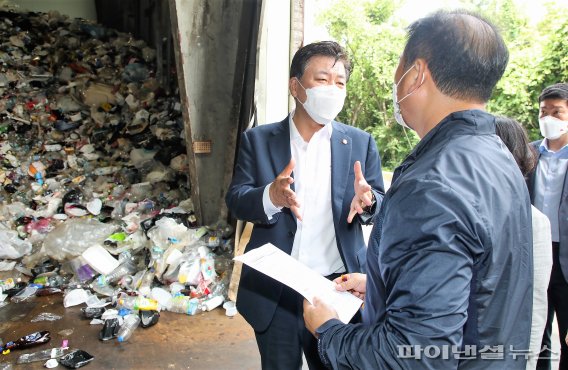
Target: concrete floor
x,y
209,340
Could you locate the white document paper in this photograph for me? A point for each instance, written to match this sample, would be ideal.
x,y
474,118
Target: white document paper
x,y
280,266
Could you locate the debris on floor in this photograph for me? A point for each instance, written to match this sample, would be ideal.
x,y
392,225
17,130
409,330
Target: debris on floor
x,y
94,197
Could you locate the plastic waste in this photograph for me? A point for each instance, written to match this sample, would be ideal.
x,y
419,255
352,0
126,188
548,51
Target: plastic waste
x,y
138,303
148,318
46,354
46,316
93,312
7,284
186,305
76,359
213,302
130,324
25,294
41,292
110,329
81,269
100,259
11,246
75,297
73,237
30,340
18,287
124,269
51,281
163,297
146,282
230,308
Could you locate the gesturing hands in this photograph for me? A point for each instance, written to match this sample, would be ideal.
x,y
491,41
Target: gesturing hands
x,y
281,195
363,195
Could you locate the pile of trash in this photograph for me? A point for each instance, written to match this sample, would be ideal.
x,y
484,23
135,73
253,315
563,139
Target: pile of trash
x,y
94,197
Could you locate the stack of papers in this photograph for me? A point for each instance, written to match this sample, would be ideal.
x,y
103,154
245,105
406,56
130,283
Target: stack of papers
x,y
281,266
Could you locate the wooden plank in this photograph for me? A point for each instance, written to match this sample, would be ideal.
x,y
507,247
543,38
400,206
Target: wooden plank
x,y
240,249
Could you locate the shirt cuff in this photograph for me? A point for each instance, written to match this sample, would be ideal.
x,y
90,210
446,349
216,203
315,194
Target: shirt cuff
x,y
269,208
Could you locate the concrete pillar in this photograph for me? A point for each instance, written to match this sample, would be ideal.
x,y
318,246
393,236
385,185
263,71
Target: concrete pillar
x,y
211,41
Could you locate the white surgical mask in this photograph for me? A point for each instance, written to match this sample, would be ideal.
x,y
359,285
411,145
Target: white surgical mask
x,y
324,102
552,128
396,104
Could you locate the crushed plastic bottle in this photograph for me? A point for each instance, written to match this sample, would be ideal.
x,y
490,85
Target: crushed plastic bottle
x,y
46,354
25,294
138,303
124,269
30,340
213,302
186,305
130,324
146,282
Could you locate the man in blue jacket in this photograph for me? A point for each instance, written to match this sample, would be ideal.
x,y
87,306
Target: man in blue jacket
x,y
302,183
449,263
548,187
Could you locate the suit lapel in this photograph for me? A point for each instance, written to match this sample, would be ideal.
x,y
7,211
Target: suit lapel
x,y
341,146
279,147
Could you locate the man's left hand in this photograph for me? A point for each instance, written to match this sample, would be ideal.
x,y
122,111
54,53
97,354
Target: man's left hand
x,y
363,195
317,314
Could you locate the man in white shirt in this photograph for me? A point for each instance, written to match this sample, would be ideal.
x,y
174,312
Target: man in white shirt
x,y
307,183
549,193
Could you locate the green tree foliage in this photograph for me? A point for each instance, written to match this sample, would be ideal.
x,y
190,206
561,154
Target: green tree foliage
x,y
374,36
374,40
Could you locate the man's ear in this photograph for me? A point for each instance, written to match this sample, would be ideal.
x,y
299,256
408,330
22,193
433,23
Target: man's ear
x,y
419,74
293,87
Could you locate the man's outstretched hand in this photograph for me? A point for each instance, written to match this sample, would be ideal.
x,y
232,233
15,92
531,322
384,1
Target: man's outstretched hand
x,y
281,195
363,196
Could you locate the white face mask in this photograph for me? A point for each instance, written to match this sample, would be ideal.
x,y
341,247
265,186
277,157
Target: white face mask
x,y
323,103
552,128
396,104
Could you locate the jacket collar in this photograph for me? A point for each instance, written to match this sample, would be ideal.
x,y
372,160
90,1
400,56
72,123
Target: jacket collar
x,y
468,122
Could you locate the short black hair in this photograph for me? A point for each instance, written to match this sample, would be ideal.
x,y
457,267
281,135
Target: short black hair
x,y
556,91
322,48
515,138
465,53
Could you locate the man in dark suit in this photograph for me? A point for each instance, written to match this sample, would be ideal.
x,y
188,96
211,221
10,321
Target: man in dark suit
x,y
548,187
307,183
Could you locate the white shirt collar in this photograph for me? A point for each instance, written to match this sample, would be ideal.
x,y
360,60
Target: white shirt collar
x,y
295,134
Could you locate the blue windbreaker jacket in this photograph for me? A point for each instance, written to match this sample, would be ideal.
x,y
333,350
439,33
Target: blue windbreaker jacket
x,y
449,261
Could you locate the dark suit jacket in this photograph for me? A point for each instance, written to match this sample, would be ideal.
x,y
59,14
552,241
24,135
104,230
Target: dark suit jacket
x,y
264,152
562,214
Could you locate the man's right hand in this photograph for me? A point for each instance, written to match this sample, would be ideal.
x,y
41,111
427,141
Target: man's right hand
x,y
281,195
354,283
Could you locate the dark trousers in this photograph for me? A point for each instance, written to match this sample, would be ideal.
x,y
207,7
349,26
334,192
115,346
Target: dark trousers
x,y
557,303
282,344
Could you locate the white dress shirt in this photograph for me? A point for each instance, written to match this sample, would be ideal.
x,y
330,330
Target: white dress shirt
x,y
314,242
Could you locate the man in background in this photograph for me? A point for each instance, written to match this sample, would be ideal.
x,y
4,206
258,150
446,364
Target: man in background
x,y
548,186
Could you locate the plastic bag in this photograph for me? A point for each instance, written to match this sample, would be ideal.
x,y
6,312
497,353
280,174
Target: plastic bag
x,y
11,246
73,237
